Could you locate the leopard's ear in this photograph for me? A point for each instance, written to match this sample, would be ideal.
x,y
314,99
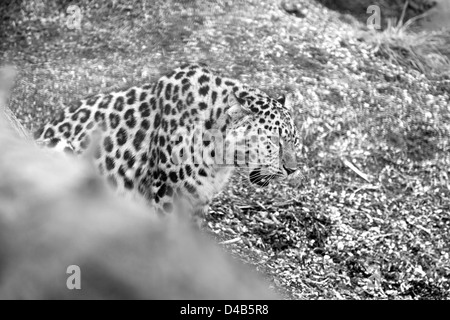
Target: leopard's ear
x,y
237,108
286,101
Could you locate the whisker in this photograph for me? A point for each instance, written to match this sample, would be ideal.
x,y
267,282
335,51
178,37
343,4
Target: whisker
x,y
264,180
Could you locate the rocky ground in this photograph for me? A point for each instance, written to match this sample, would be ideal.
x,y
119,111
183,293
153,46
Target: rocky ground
x,y
371,216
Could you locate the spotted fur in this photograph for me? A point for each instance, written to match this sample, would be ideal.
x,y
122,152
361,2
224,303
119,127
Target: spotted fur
x,y
175,142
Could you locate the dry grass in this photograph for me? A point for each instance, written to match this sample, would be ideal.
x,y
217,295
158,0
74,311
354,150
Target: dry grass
x,y
428,52
7,79
335,236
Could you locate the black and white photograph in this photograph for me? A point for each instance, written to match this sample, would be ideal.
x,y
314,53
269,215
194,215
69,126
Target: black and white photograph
x,y
224,150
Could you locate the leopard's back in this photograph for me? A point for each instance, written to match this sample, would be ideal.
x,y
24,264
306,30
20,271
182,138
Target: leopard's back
x,y
116,125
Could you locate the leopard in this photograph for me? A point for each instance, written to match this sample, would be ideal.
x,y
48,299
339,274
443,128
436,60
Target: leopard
x,y
175,142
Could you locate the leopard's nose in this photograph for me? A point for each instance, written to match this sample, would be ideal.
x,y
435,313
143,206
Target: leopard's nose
x,y
289,170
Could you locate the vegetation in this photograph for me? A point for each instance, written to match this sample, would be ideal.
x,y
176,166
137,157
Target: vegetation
x,y
391,9
428,52
371,218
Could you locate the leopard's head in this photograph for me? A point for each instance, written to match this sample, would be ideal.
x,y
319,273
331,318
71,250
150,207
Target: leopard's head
x,y
263,136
